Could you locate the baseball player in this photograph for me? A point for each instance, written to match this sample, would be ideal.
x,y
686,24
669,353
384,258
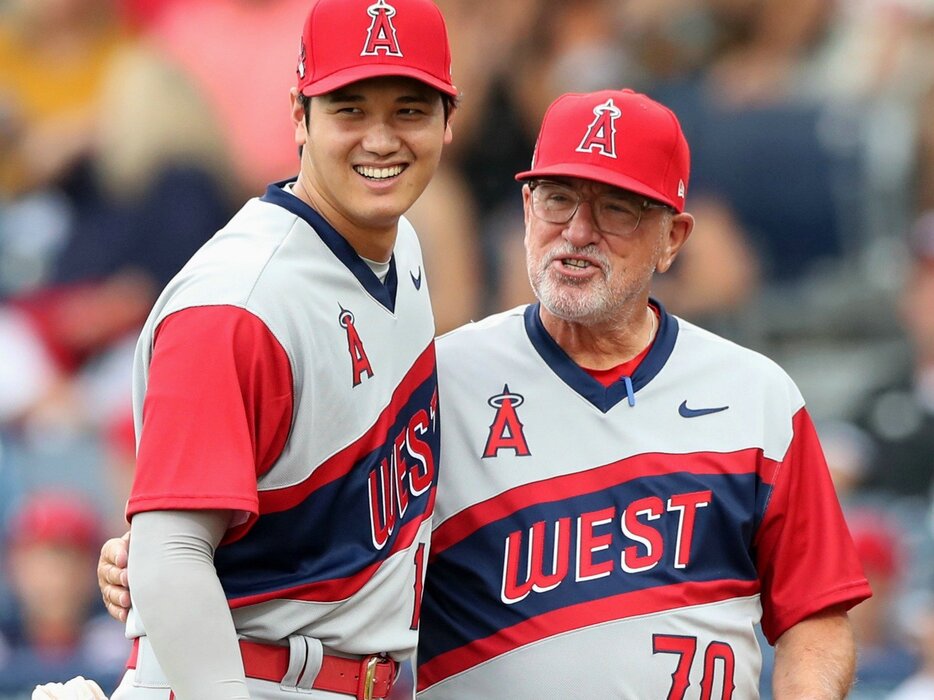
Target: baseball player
x,y
285,396
624,496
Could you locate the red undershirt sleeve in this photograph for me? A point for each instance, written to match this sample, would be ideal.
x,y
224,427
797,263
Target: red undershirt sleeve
x,y
217,411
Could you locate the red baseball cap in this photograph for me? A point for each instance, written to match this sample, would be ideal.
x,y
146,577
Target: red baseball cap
x,y
349,40
55,517
618,137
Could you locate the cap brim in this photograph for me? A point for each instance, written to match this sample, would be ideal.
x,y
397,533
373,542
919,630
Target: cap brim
x,y
378,70
605,175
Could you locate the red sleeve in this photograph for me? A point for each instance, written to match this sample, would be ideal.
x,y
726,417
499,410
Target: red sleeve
x,y
216,414
804,553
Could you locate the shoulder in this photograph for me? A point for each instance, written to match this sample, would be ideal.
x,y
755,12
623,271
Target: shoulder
x,y
708,347
493,329
699,352
229,268
250,238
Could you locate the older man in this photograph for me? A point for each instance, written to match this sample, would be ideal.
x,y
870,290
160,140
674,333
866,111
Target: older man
x,y
622,494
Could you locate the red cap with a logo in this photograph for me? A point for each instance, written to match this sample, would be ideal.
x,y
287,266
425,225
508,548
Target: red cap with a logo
x,y
349,40
618,137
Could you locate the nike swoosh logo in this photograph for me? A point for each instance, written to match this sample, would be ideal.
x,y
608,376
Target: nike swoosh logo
x,y
695,412
417,281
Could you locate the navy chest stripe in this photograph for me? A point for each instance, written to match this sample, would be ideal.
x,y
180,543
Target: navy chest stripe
x,y
433,669
333,530
338,466
337,589
639,535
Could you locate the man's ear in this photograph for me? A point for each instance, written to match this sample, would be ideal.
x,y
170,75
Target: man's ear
x,y
448,133
526,203
678,233
298,117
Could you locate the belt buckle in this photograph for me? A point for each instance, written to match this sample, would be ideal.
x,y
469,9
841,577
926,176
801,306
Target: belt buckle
x,y
369,678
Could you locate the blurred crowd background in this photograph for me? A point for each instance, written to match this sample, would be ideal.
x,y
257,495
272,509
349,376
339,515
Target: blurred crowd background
x,y
130,130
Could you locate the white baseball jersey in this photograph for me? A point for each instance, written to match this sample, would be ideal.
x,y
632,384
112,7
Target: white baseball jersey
x,y
621,541
277,376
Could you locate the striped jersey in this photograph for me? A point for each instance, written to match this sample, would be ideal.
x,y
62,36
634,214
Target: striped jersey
x,y
279,378
621,541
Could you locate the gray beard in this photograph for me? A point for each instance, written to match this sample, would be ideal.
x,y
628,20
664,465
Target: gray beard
x,y
559,297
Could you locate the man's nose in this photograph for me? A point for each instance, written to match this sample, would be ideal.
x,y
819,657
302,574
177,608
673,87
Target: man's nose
x,y
581,230
381,139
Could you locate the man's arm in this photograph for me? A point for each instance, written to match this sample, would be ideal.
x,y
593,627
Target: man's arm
x,y
179,599
816,658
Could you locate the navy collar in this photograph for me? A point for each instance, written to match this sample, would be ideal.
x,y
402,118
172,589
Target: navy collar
x,y
604,398
383,292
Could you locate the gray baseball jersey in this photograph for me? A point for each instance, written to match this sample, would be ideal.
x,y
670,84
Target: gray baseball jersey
x,y
299,390
621,541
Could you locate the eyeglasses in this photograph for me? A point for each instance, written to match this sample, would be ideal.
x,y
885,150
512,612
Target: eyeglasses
x,y
614,213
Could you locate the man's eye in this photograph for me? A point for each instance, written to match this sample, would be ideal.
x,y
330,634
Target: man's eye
x,y
620,207
558,198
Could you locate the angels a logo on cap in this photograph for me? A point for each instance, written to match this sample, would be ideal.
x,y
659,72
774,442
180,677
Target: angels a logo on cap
x,y
601,134
381,36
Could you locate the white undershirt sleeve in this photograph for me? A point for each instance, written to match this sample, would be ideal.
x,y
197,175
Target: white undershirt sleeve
x,y
178,597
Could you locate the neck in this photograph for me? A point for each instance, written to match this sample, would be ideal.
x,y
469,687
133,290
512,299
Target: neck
x,y
603,345
371,243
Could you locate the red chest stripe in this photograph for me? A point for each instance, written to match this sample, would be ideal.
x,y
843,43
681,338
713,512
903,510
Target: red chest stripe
x,y
574,617
340,464
465,523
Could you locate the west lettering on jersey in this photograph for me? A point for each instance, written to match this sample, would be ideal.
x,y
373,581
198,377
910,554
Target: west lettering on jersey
x,y
536,578
601,134
536,560
506,431
407,472
381,36
360,363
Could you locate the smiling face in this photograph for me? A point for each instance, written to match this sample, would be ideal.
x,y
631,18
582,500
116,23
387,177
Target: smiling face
x,y
583,275
369,151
